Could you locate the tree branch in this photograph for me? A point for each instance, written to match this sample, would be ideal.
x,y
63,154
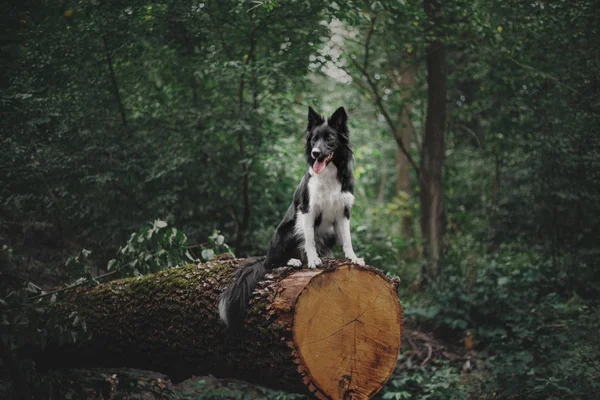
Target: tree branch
x,y
386,115
67,288
375,91
368,42
544,74
13,366
114,79
243,226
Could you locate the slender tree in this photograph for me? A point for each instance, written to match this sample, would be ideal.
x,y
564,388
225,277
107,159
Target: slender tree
x,y
428,168
432,151
406,132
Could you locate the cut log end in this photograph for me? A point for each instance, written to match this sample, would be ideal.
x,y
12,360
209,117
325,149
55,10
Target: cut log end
x,y
346,329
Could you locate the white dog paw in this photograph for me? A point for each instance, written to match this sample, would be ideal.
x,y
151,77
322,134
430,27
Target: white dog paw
x,y
358,261
314,262
294,262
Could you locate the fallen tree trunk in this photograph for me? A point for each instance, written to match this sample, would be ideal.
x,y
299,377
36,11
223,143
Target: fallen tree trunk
x,y
334,332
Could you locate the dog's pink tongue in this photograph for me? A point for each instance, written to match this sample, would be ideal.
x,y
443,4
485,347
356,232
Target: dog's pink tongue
x,y
319,165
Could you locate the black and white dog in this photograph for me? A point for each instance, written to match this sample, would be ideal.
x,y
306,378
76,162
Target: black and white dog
x,y
318,217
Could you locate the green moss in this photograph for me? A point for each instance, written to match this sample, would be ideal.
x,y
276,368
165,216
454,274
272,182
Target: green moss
x,y
168,322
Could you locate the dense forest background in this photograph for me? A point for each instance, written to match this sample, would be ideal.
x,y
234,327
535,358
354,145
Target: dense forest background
x,y
476,138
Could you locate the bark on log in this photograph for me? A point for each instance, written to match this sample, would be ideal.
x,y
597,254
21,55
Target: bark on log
x,y
334,332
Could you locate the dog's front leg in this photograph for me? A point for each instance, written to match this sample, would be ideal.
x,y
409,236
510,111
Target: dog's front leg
x,y
307,224
343,233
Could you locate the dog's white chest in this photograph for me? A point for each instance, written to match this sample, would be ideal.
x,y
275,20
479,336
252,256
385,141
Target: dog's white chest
x,y
326,197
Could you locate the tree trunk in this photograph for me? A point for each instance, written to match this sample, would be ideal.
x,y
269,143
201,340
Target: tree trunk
x,y
333,332
243,224
12,365
405,192
114,80
432,152
405,131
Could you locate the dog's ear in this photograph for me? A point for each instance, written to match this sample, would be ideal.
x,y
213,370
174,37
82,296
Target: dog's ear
x,y
338,119
314,118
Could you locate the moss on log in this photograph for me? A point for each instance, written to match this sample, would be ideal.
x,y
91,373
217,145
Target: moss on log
x,y
334,332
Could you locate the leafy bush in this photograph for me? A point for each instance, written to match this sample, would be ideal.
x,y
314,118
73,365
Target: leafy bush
x,y
25,319
151,249
214,246
536,339
437,380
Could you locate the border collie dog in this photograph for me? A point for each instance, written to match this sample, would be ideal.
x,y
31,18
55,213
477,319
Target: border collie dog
x,y
314,222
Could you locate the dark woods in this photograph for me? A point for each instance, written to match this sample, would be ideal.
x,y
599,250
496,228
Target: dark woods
x,y
475,133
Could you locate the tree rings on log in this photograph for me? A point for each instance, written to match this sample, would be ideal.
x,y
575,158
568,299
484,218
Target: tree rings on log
x,y
346,330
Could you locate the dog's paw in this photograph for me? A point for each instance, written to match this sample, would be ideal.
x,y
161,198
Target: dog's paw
x,y
314,262
358,261
294,262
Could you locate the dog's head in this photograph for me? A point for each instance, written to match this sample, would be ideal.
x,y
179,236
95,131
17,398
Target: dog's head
x,y
327,140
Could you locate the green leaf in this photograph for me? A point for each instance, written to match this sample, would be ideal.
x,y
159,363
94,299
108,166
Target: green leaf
x,y
111,264
33,288
189,256
503,280
159,224
208,254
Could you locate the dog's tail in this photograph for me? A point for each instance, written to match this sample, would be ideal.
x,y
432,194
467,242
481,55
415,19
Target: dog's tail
x,y
234,299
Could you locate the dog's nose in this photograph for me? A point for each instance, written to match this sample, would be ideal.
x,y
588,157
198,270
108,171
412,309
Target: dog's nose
x,y
315,153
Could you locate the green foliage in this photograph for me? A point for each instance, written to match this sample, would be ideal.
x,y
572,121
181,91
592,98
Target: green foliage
x,y
437,380
521,127
150,250
216,245
268,5
535,338
187,138
79,266
25,319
